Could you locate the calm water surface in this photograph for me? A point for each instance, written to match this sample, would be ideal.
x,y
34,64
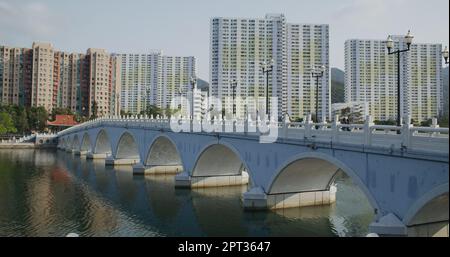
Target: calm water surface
x,y
50,193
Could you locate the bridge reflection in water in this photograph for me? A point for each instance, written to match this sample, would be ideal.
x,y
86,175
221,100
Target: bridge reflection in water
x,y
54,193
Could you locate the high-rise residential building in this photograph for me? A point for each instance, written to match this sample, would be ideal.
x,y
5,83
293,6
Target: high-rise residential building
x,y
103,70
371,76
42,76
307,50
176,74
15,75
116,78
141,74
70,73
42,87
153,79
240,46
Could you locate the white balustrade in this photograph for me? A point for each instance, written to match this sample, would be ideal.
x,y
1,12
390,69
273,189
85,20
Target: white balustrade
x,y
407,136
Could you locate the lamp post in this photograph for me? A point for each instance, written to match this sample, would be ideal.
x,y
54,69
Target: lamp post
x,y
147,90
318,73
234,84
390,46
193,84
266,69
445,54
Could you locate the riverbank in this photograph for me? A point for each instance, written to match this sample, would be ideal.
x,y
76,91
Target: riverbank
x,y
26,146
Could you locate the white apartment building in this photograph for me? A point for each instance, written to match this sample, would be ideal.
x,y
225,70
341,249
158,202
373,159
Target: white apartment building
x,y
176,74
238,48
308,49
153,79
371,76
141,74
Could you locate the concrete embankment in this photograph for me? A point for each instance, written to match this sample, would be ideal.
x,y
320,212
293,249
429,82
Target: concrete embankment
x,y
25,146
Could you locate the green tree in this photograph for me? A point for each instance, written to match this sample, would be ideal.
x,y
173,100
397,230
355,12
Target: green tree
x,y
6,123
21,121
389,122
153,111
37,117
94,110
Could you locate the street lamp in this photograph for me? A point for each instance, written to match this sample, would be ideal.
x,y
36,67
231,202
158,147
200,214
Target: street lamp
x,y
267,68
234,84
318,73
445,54
390,46
193,84
147,90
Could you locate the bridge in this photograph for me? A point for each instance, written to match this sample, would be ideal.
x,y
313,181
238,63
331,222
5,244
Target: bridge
x,y
403,171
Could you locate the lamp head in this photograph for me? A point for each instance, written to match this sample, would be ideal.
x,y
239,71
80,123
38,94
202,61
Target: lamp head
x,y
390,43
445,54
409,38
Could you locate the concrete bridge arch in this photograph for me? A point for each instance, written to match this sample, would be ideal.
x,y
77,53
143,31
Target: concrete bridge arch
x,y
86,144
219,163
308,178
102,143
125,151
75,143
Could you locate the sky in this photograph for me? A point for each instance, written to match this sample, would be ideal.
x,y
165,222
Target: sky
x,y
182,27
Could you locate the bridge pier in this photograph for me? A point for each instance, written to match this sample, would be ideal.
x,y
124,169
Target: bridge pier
x,y
140,169
96,156
80,153
184,180
257,199
110,161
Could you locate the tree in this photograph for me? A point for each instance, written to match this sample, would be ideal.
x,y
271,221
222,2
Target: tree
x,y
6,124
153,111
21,121
389,122
37,117
94,110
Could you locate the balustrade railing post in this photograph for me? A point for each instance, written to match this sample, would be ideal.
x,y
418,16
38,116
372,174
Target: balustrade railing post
x,y
308,126
335,129
434,124
406,132
246,121
368,130
286,124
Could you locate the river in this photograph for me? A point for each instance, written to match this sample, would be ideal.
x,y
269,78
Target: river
x,y
52,193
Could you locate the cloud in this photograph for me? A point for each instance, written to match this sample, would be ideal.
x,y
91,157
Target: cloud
x,y
32,20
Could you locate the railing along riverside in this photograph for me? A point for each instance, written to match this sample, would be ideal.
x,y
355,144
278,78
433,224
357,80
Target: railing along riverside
x,y
368,134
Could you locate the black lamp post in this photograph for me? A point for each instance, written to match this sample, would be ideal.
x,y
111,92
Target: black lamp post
x,y
193,83
147,90
234,85
445,54
267,68
318,73
390,46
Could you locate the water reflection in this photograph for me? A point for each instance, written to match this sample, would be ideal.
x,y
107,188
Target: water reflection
x,y
49,193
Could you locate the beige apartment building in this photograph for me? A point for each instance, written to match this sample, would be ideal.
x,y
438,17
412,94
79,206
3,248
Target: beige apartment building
x,y
15,75
42,76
